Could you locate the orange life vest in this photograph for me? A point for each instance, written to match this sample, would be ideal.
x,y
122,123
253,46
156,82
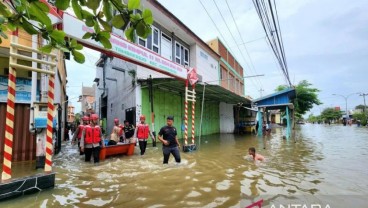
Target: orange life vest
x,y
92,134
80,131
142,132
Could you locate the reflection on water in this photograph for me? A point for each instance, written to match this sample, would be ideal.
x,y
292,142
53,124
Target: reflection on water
x,y
324,160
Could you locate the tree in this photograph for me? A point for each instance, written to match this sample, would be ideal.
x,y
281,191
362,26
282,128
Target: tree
x,y
306,97
361,107
101,15
330,114
314,119
362,117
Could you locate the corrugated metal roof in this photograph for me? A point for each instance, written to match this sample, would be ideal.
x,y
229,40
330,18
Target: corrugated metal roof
x,y
212,92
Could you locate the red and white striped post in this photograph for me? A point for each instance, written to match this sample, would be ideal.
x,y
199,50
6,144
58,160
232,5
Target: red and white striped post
x,y
193,118
9,127
186,115
50,118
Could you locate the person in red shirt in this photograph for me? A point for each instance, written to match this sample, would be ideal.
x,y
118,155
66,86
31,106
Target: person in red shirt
x,y
142,132
78,132
92,140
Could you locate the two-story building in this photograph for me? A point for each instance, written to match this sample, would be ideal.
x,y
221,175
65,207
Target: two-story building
x,y
126,90
31,87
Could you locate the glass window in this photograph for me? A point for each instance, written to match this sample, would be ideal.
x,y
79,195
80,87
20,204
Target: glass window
x,y
177,49
142,42
149,42
155,36
181,54
155,49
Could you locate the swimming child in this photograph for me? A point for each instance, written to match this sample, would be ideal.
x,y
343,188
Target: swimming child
x,y
252,152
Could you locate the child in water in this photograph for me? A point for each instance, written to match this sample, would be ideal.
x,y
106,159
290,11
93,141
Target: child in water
x,y
252,152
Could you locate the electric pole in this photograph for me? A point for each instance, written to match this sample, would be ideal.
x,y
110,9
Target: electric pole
x,y
260,91
363,95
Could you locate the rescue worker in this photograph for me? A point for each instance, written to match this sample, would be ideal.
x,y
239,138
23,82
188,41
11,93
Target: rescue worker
x,y
78,132
141,133
91,141
128,131
116,133
170,143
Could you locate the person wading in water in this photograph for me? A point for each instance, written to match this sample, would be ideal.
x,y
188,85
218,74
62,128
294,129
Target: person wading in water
x,y
169,139
142,132
91,141
79,131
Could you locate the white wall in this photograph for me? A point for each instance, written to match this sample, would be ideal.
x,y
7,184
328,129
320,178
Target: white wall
x,y
144,73
207,66
226,118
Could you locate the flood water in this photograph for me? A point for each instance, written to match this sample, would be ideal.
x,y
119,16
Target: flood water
x,y
323,164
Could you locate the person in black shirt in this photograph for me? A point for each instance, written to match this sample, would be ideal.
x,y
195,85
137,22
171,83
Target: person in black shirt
x,y
169,139
128,131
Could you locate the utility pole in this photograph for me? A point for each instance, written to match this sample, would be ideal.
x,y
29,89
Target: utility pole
x,y
260,91
363,95
346,103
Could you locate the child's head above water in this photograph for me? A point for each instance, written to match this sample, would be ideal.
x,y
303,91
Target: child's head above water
x,y
252,151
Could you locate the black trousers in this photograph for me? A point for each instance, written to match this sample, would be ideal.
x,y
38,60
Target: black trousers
x,y
112,142
171,150
142,146
96,154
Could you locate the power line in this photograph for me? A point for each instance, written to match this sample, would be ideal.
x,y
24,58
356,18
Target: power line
x,y
218,30
241,53
271,26
241,38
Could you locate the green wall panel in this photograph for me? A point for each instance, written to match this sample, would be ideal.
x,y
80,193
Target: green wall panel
x,y
166,103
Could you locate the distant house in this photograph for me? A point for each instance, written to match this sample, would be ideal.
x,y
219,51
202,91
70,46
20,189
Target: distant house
x,y
87,99
71,116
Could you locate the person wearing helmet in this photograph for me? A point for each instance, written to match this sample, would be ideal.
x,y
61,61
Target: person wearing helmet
x,y
141,133
170,143
92,141
128,131
116,133
79,131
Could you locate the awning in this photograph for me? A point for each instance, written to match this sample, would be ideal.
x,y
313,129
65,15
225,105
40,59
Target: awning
x,y
212,92
277,106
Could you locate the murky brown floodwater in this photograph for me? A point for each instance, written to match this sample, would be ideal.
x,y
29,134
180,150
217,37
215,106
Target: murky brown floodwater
x,y
326,163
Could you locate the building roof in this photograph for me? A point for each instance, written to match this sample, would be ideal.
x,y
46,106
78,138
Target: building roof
x,y
288,90
212,92
277,100
88,91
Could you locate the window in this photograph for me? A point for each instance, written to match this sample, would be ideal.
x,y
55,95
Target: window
x,y
142,42
152,42
181,54
177,53
166,46
155,40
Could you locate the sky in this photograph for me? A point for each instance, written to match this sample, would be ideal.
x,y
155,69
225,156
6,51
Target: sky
x,y
325,43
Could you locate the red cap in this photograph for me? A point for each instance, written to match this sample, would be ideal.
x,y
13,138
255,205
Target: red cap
x,y
85,118
116,120
142,117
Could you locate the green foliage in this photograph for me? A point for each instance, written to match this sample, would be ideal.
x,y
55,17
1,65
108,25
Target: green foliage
x,y
306,97
31,15
330,114
362,117
361,107
314,119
